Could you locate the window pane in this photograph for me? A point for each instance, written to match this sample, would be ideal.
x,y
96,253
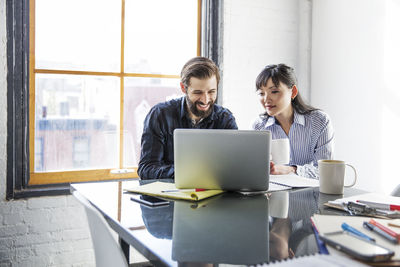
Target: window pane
x,y
77,121
78,34
160,36
140,95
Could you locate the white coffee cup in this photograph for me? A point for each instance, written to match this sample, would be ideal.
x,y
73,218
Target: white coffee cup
x,y
331,176
280,151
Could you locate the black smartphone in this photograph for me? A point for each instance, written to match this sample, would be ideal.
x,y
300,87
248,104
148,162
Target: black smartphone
x,y
357,246
149,200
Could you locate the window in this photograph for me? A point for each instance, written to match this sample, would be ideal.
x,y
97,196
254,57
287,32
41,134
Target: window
x,y
95,79
80,82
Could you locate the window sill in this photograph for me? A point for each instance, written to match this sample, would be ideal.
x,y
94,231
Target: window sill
x,y
41,191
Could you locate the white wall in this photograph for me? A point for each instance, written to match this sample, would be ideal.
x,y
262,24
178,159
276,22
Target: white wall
x,y
258,33
353,82
46,231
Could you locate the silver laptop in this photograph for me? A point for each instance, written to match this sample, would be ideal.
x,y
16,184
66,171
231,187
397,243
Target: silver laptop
x,y
233,160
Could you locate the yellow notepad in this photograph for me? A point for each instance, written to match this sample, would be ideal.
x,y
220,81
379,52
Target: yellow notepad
x,y
156,188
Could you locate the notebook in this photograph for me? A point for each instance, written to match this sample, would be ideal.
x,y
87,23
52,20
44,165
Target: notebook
x,y
232,160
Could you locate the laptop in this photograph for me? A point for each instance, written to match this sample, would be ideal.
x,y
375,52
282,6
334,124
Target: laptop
x,y
231,160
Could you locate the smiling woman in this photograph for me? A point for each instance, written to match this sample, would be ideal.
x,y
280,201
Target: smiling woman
x,y
308,129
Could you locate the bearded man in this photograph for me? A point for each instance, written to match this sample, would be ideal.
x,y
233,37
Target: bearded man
x,y
196,109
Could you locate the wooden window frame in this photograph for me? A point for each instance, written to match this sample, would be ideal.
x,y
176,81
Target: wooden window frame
x,y
21,180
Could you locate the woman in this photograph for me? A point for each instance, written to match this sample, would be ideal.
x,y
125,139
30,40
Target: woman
x,y
308,129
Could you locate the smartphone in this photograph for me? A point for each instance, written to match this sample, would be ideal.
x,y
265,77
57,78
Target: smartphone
x,y
357,247
149,200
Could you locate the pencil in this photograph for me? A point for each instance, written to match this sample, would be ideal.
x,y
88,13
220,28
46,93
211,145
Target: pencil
x,y
394,225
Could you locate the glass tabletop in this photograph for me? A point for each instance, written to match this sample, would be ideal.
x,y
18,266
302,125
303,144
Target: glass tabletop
x,y
226,229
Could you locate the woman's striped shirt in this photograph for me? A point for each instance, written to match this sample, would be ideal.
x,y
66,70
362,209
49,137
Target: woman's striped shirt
x,y
310,136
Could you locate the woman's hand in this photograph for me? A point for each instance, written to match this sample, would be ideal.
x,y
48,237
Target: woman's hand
x,y
281,169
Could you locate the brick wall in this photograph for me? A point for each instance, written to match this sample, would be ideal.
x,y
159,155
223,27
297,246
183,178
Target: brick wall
x,y
46,231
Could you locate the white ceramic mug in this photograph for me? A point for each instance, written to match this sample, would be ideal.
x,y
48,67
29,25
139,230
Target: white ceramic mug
x,y
280,151
331,176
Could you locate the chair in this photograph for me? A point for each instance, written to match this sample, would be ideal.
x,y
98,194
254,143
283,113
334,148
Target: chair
x,y
106,249
396,191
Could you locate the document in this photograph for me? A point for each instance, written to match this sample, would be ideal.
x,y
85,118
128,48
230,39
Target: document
x,y
157,188
293,180
372,211
331,223
370,197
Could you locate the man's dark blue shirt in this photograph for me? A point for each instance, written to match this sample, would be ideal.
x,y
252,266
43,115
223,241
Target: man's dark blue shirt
x,y
157,152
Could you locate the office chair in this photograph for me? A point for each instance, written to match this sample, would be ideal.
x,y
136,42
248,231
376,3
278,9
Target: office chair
x,y
396,191
106,249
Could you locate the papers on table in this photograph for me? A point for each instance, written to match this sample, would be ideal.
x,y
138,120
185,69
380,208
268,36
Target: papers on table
x,y
157,188
351,205
293,180
277,183
277,187
371,197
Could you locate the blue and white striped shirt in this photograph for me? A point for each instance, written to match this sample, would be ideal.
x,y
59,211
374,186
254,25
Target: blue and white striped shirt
x,y
310,137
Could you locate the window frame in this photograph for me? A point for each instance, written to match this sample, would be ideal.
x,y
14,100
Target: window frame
x,y
19,145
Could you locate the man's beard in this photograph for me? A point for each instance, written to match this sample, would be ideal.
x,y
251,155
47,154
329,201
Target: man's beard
x,y
199,113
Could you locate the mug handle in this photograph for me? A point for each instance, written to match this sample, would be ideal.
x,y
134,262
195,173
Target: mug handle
x,y
355,176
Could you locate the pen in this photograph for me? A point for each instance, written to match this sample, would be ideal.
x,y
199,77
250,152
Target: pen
x,y
380,232
384,228
183,190
381,206
394,225
352,230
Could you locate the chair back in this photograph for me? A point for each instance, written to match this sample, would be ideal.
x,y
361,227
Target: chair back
x,y
396,191
106,249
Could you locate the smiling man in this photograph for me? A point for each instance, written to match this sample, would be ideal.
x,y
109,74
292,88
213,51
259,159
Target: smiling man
x,y
197,109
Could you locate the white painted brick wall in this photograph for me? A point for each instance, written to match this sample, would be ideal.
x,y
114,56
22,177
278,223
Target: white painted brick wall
x,y
258,33
46,231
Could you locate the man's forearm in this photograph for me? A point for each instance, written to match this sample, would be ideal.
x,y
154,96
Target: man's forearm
x,y
148,171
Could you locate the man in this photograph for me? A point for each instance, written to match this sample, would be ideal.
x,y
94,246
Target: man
x,y
197,109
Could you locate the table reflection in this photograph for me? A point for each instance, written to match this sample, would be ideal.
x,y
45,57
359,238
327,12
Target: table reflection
x,y
229,229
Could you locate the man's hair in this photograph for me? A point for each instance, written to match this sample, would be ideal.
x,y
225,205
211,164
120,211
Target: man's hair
x,y
200,68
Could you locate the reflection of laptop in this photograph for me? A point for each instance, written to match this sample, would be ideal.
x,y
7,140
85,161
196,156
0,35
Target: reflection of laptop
x,y
235,160
224,229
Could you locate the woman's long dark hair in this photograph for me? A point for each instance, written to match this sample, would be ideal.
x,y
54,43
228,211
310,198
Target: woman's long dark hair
x,y
282,73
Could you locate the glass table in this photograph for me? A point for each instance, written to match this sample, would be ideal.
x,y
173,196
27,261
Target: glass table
x,y
230,228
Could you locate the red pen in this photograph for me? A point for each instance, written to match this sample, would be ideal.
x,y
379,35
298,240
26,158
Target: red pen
x,y
380,206
184,190
385,229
